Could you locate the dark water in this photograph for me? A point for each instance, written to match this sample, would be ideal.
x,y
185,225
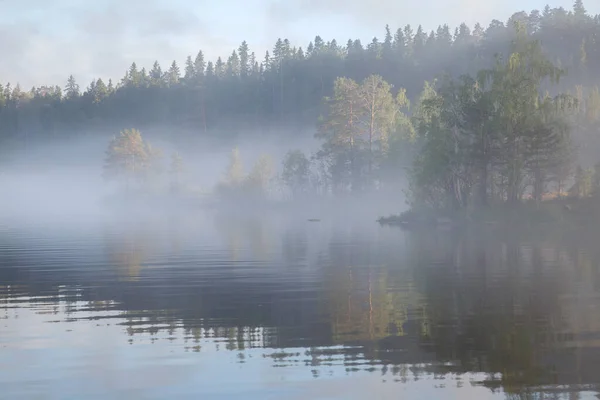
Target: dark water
x,y
197,306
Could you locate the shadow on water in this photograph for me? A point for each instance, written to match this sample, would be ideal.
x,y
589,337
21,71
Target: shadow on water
x,y
516,316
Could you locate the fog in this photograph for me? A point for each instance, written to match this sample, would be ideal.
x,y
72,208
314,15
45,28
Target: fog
x,y
61,182
415,207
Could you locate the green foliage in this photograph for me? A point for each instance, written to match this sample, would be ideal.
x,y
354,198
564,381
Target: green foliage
x,y
290,85
173,74
126,154
72,88
257,182
584,183
130,159
255,185
496,133
296,172
356,130
500,131
341,133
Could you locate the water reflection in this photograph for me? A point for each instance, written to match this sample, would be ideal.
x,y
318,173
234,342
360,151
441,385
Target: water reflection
x,y
492,313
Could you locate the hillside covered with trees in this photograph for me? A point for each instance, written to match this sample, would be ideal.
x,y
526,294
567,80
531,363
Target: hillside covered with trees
x,y
481,115
286,85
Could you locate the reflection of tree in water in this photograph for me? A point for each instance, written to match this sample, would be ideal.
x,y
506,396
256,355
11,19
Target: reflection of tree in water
x,y
193,332
127,251
294,245
523,311
373,304
497,305
490,304
251,230
260,241
365,304
128,259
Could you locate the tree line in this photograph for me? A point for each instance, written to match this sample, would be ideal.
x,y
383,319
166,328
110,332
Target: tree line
x,y
493,137
138,167
507,130
286,85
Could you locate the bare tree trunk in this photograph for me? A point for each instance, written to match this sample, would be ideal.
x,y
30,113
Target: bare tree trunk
x,y
353,176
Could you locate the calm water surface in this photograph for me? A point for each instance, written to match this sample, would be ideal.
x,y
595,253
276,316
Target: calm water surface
x,y
205,306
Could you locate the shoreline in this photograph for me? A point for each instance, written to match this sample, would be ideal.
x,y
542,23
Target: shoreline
x,y
565,212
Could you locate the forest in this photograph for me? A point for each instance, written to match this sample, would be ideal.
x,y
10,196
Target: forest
x,y
472,115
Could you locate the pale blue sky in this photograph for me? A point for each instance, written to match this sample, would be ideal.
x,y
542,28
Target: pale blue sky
x,y
43,41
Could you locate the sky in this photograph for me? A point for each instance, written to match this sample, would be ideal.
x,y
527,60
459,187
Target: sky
x,y
42,41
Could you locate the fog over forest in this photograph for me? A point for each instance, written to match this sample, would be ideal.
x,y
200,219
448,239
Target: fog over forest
x,y
419,211
447,119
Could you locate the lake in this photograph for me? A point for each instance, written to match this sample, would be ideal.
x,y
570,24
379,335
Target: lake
x,y
187,306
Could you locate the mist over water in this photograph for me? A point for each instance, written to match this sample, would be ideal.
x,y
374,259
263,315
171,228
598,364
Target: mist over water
x,y
177,304
309,300
62,182
341,220
133,302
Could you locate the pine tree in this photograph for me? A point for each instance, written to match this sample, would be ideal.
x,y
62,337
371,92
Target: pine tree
x,y
8,91
409,40
419,42
233,65
387,44
267,61
399,44
156,75
374,49
478,33
173,74
210,70
463,35
578,9
72,88
199,64
278,55
244,57
190,70
219,68
310,49
101,91
132,76
144,78
319,44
